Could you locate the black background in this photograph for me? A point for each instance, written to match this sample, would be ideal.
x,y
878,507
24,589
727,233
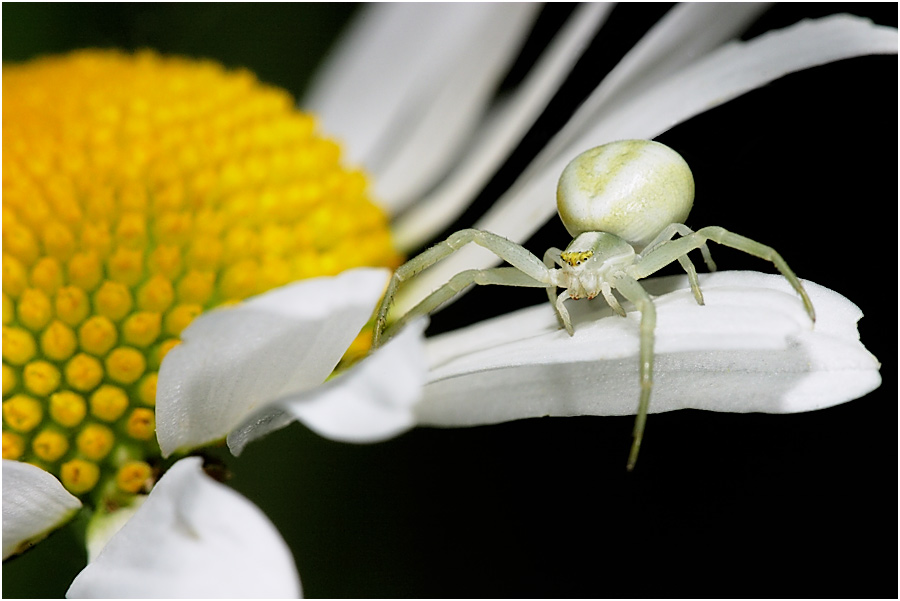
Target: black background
x,y
721,505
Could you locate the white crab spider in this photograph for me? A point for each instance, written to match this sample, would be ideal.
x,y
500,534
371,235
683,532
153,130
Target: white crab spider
x,y
623,202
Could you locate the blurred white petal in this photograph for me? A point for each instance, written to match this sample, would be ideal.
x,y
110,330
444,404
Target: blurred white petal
x,y
34,503
103,526
431,134
407,88
729,71
370,402
193,537
686,33
751,348
235,360
499,135
363,83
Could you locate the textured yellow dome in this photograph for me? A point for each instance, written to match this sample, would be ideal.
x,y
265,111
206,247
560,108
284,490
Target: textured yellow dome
x,y
138,192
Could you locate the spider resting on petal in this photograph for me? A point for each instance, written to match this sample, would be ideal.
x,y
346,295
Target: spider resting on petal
x,y
623,202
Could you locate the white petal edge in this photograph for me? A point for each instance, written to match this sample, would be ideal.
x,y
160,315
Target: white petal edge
x,y
104,525
492,146
686,33
192,538
722,75
234,361
34,504
430,135
402,63
371,402
751,348
365,80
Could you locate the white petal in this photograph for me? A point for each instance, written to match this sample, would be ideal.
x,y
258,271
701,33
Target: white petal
x,y
430,134
372,401
234,361
730,71
500,135
103,526
364,81
686,33
34,503
397,74
751,348
192,538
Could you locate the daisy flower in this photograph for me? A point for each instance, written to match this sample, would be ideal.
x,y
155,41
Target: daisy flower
x,y
149,230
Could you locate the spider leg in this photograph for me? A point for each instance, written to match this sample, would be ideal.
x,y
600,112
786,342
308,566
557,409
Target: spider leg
x,y
512,253
634,292
667,252
552,258
563,313
679,228
611,300
503,276
691,271
686,264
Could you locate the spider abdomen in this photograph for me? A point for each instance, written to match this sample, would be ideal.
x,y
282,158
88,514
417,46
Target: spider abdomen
x,y
630,188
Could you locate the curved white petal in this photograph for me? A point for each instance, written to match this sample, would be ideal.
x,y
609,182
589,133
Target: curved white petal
x,y
453,98
431,214
686,33
234,361
34,503
752,347
725,73
372,401
104,525
192,538
408,83
363,83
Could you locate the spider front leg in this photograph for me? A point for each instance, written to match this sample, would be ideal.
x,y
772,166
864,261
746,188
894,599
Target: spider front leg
x,y
686,264
512,253
503,276
634,292
552,258
669,251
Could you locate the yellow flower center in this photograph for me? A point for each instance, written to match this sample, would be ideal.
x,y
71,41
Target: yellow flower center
x,y
138,192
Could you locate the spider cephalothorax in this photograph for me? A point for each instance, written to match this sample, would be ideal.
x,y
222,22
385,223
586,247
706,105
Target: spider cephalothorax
x,y
623,203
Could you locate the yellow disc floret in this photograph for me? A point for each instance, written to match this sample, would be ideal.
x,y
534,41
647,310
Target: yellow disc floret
x,y
79,476
34,310
138,192
125,365
11,379
108,403
18,346
13,445
141,423
58,341
50,445
41,378
83,372
133,476
97,335
142,328
72,305
95,441
47,275
146,389
22,413
9,312
67,408
113,300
